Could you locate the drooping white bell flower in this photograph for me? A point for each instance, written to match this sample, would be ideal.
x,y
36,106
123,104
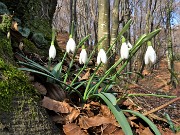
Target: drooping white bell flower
x,y
101,57
71,45
125,47
150,54
52,52
83,56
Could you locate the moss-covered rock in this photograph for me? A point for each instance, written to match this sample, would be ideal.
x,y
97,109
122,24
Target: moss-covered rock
x,y
13,83
20,112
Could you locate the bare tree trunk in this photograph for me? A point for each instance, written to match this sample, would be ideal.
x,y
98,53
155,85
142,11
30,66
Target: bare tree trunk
x,y
170,56
104,26
114,29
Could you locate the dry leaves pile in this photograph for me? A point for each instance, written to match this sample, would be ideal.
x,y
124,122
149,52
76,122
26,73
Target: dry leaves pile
x,y
92,118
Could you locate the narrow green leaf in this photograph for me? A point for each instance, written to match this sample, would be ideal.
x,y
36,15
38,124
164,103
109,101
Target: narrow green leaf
x,y
171,125
150,123
41,73
111,97
56,69
151,35
35,66
119,115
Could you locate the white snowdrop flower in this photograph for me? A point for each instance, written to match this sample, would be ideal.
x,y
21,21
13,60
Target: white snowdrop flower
x,y
71,46
52,51
83,56
124,51
150,55
125,47
101,57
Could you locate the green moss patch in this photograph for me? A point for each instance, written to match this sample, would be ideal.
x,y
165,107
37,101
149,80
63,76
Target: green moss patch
x,y
13,84
6,52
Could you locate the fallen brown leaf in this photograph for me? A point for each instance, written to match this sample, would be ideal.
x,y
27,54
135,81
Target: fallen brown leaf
x,y
110,129
40,88
55,92
98,120
59,119
61,107
73,129
105,111
72,116
86,75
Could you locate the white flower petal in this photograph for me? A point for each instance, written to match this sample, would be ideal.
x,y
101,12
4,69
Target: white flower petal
x,y
98,59
67,48
52,52
83,56
146,58
71,45
101,57
124,51
150,55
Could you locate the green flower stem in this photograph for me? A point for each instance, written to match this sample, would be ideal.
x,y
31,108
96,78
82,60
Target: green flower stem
x,y
144,38
87,91
134,49
72,29
49,64
85,65
155,95
53,36
62,62
79,45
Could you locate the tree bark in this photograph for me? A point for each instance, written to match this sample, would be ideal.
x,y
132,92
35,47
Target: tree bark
x,y
104,26
114,29
170,56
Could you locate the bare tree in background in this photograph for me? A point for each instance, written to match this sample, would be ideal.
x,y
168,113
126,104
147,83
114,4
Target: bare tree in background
x,y
104,26
170,56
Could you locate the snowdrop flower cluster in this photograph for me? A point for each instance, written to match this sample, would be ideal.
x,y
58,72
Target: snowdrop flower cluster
x,y
83,56
125,47
71,45
101,57
52,52
150,55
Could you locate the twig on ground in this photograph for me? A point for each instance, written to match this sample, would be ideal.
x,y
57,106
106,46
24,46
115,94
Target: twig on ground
x,y
158,108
